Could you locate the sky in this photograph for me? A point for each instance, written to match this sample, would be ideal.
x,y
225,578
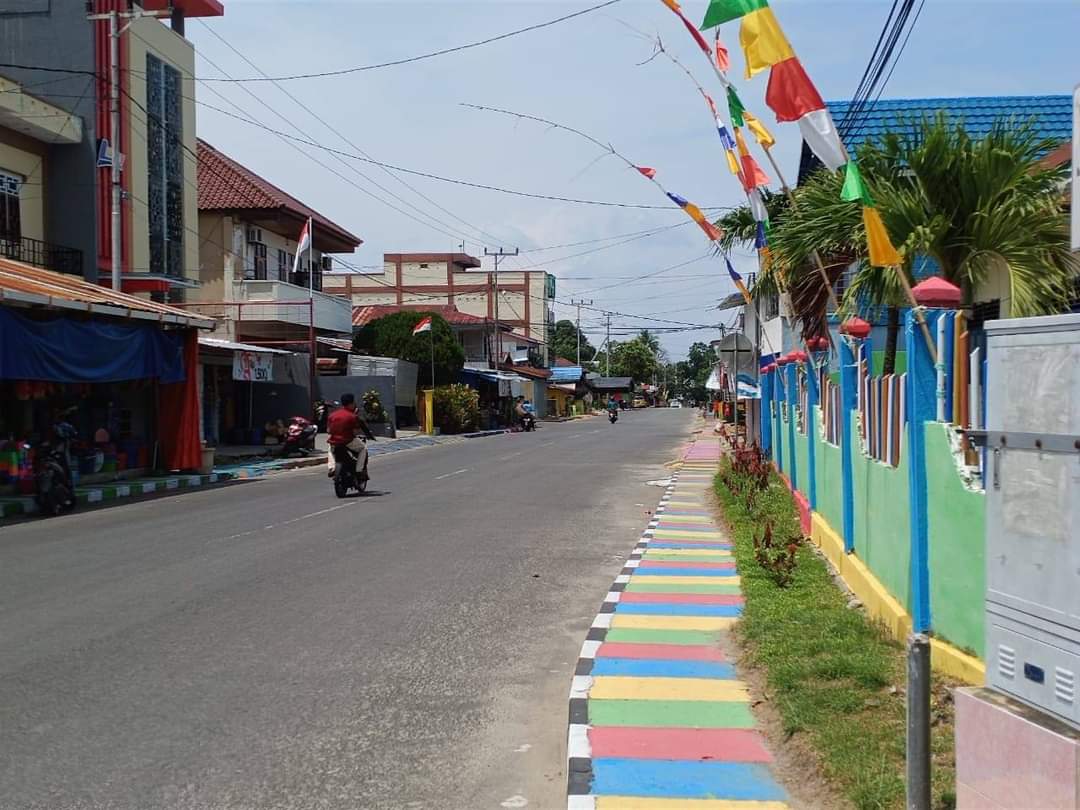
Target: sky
x,y
592,73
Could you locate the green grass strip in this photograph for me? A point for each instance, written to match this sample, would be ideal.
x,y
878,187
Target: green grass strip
x,y
834,676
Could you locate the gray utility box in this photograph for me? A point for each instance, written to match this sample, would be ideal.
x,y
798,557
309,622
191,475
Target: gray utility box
x,y
1033,512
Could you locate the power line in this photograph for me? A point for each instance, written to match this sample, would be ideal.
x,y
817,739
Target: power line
x,y
420,57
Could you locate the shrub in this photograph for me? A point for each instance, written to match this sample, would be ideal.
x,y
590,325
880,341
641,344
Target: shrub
x,y
457,408
373,407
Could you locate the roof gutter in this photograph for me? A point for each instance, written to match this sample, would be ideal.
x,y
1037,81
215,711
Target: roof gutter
x,y
32,299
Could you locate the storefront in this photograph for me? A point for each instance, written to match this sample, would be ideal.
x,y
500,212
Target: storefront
x,y
119,369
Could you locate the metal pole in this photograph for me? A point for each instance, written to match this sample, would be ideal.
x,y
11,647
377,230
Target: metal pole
x,y
918,723
311,313
431,332
579,305
114,134
608,341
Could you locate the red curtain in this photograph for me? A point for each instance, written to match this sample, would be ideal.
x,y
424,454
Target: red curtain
x,y
178,413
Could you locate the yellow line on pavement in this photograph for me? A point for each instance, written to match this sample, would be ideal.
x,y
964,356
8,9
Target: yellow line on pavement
x,y
647,579
607,687
635,621
687,552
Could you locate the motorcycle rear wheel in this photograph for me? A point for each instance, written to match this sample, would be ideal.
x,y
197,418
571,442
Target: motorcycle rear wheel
x,y
341,489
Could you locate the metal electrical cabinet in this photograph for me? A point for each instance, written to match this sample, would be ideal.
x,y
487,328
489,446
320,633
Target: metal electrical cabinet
x,y
1032,442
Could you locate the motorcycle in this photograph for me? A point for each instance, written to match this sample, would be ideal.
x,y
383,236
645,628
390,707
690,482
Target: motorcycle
x,y
346,476
300,437
613,416
528,422
54,487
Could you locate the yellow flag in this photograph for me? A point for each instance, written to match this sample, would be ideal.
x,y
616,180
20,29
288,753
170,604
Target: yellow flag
x,y
880,247
673,5
741,142
762,135
763,41
732,162
694,212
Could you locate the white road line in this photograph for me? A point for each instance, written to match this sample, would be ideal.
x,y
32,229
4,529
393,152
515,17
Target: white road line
x,y
510,455
448,475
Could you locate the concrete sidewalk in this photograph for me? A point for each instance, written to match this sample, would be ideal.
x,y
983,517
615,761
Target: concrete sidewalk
x,y
658,717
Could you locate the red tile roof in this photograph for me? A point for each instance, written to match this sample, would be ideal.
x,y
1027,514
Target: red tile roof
x,y
527,371
225,185
452,315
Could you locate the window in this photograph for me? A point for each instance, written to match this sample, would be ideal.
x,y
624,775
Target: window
x,y
165,167
257,251
10,220
283,265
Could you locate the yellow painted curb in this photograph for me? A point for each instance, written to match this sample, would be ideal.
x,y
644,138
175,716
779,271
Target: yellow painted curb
x,y
649,579
636,621
608,687
688,552
683,534
883,606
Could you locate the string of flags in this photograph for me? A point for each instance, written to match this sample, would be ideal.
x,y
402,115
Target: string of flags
x,y
792,96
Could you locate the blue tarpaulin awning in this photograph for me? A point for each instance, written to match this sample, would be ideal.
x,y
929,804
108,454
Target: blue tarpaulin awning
x,y
62,349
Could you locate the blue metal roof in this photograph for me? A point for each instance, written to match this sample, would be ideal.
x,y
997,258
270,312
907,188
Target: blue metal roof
x,y
1052,115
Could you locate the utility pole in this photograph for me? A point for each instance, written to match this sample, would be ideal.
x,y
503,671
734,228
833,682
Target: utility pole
x,y
607,354
579,305
115,30
499,254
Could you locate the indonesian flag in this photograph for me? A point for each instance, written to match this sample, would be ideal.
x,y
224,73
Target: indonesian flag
x,y
304,242
423,326
793,97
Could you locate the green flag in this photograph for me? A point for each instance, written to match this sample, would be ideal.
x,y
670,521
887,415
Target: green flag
x,y
855,189
722,11
735,107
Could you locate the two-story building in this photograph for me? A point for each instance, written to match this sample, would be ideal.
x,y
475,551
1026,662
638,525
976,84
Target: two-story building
x,y
54,165
525,297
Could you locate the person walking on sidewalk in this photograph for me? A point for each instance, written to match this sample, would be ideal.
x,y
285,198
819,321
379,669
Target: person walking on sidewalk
x,y
345,427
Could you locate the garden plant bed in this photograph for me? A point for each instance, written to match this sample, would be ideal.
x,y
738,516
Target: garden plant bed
x,y
833,680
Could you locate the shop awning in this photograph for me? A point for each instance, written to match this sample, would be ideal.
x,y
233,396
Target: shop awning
x,y
232,346
25,285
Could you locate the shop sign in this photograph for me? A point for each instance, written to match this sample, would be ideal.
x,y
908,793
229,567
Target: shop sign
x,y
253,367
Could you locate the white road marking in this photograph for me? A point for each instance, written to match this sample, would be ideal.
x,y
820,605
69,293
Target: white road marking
x,y
580,803
580,686
602,620
510,455
614,596
448,475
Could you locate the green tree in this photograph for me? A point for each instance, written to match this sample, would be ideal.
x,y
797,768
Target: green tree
x,y
391,336
564,342
979,207
634,358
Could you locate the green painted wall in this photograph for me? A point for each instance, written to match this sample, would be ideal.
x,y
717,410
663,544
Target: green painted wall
x,y
802,458
882,518
830,493
957,525
878,362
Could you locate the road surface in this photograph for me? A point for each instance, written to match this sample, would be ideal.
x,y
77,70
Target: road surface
x,y
265,645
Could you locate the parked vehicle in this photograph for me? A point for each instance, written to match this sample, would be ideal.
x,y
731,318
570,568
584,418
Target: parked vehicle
x,y
300,436
675,404
346,476
639,402
54,486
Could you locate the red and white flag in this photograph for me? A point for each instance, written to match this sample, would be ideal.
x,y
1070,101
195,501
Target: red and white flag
x,y
423,326
303,244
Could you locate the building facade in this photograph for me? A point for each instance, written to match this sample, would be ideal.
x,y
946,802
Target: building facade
x,y
249,278
63,184
525,297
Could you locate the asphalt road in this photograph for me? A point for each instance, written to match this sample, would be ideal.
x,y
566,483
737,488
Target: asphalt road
x,y
265,645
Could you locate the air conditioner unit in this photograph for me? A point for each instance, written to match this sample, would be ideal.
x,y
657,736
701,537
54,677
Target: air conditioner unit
x,y
254,235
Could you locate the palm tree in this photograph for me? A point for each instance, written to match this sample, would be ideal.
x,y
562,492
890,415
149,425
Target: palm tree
x,y
976,207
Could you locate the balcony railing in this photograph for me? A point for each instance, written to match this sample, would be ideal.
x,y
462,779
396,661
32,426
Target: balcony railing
x,y
42,254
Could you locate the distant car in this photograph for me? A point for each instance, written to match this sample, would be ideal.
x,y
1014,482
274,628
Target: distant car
x,y
639,402
675,404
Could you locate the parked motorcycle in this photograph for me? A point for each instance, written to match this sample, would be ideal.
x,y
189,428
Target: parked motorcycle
x,y
54,487
346,476
300,437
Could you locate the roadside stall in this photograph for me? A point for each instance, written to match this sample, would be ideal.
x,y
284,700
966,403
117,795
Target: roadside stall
x,y
121,370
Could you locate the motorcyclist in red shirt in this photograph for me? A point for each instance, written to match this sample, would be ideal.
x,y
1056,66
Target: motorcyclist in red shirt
x,y
345,427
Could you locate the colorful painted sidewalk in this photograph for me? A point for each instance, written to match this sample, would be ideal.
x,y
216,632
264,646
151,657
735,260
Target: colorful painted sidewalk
x,y
658,719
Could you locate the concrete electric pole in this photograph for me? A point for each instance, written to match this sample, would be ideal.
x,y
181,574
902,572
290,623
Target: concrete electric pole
x,y
498,255
579,305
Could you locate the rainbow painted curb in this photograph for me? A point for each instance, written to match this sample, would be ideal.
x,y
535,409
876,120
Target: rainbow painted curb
x,y
658,719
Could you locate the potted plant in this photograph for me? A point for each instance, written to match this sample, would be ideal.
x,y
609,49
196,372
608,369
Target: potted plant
x,y
375,414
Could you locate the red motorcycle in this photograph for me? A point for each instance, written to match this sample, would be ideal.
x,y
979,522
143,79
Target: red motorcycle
x,y
299,437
